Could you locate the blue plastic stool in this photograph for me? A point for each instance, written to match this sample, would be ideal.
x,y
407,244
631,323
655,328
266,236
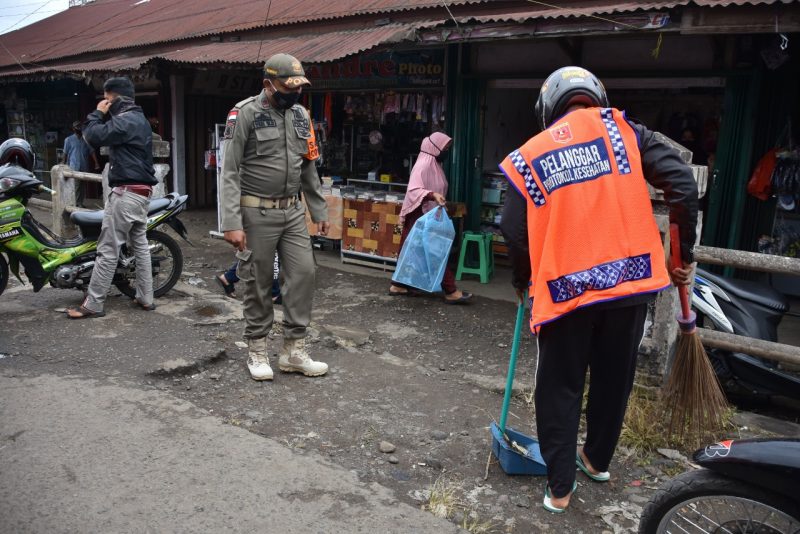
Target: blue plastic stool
x,y
485,267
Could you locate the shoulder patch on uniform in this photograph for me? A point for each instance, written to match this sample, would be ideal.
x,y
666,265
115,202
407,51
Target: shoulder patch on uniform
x,y
230,123
301,122
245,101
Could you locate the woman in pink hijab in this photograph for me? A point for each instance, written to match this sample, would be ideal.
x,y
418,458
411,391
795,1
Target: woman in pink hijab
x,y
427,189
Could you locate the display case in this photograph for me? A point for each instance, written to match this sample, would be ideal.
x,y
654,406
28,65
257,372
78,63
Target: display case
x,y
16,123
494,187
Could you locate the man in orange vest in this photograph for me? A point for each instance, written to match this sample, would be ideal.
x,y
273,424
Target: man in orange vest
x,y
586,249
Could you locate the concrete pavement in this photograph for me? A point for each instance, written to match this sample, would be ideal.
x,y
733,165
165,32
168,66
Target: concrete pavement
x,y
79,455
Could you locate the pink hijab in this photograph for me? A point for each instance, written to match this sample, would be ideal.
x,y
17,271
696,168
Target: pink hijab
x,y
427,176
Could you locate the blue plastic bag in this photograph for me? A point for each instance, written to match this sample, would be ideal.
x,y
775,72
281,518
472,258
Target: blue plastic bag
x,y
424,256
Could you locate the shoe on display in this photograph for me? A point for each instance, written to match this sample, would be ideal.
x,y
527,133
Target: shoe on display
x,y
295,359
257,361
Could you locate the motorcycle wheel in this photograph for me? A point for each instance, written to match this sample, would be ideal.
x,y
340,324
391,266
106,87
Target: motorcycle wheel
x,y
167,260
704,501
3,274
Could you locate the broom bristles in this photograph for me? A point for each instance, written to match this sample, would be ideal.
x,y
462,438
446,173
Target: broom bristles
x,y
693,395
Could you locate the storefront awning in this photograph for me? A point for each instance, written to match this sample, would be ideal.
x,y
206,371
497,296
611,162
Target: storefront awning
x,y
317,48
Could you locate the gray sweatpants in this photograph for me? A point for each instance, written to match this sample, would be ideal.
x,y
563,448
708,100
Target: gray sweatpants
x,y
285,230
125,217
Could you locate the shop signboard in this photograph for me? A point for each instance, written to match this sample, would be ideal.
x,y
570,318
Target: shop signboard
x,y
413,69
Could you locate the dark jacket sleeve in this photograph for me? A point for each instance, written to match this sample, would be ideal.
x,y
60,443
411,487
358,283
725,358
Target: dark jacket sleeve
x,y
514,226
112,132
664,169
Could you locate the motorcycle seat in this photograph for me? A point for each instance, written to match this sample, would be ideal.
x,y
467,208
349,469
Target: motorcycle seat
x,y
95,218
761,294
157,204
87,218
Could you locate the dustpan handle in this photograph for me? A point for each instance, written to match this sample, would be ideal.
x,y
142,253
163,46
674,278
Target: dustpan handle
x,y
512,364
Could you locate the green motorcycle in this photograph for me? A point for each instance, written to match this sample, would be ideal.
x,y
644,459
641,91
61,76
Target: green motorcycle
x,y
68,263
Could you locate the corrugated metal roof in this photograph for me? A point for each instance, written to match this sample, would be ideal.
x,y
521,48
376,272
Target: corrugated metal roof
x,y
118,24
585,8
106,25
725,3
575,9
114,64
307,48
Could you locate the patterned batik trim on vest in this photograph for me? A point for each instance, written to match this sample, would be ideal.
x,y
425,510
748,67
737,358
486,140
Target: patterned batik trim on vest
x,y
620,154
600,277
518,160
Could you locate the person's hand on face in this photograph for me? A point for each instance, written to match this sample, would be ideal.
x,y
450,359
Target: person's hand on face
x,y
104,105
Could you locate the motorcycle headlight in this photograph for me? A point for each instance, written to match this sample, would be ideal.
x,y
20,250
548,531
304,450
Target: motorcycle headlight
x,y
7,184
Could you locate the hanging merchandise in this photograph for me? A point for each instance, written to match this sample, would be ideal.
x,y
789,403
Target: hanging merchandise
x,y
436,109
390,103
786,179
328,112
760,184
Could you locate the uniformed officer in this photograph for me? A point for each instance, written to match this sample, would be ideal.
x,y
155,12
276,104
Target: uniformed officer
x,y
268,159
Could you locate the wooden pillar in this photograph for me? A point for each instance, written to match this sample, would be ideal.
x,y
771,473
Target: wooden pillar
x,y
178,115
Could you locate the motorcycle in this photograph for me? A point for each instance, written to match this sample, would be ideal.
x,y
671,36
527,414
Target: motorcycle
x,y
744,487
747,309
68,263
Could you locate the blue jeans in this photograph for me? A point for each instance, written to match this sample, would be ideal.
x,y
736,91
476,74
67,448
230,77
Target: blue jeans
x,y
232,278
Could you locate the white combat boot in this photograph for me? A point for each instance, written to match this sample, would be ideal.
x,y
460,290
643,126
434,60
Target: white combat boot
x,y
257,361
295,359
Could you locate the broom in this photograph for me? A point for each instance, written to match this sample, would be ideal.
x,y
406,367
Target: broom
x,y
693,396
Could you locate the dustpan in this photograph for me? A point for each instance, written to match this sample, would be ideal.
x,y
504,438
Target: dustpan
x,y
517,453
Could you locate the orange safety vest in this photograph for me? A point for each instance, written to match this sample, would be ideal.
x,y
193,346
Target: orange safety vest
x,y
592,236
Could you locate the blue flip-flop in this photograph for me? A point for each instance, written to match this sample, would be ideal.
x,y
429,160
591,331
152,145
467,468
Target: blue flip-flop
x,y
605,476
547,503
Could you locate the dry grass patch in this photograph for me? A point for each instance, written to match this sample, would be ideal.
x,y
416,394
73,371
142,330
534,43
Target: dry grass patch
x,y
447,501
646,426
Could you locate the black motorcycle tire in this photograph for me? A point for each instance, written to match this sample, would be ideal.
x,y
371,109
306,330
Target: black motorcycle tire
x,y
3,274
177,258
688,486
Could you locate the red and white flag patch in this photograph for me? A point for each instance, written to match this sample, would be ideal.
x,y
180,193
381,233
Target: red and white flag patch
x,y
230,124
561,133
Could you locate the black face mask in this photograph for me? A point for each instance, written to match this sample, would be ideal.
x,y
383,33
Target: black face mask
x,y
284,100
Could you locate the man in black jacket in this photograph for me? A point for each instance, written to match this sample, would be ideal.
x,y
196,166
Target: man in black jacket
x,y
119,124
